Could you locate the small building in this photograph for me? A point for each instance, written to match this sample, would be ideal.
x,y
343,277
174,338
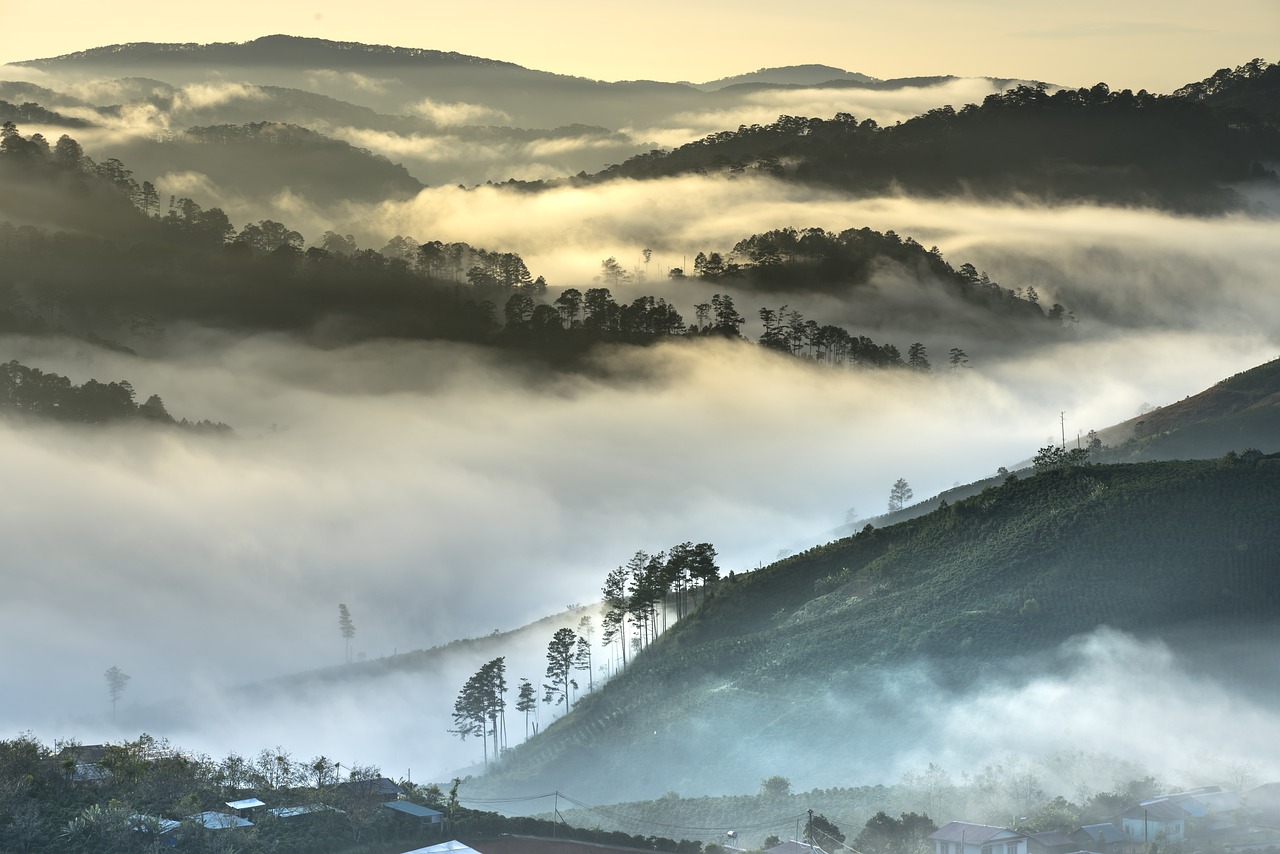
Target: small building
x,y
213,820
962,837
416,812
1104,838
1051,842
453,846
244,806
300,811
380,788
1159,819
791,846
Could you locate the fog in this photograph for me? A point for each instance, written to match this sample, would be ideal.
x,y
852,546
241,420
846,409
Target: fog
x,y
442,491
460,142
885,106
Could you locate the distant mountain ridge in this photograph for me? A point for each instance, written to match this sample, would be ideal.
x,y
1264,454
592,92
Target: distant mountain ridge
x,y
982,592
801,74
270,50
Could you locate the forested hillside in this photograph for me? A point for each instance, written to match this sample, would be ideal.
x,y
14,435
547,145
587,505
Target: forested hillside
x,y
99,253
1088,144
971,594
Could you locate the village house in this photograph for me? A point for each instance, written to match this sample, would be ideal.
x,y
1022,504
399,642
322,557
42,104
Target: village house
x,y
962,837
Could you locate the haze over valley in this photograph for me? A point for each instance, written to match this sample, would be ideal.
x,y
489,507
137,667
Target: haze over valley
x,y
444,340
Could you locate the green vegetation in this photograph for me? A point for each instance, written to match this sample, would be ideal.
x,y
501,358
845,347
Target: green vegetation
x,y
32,392
131,797
128,268
1087,144
984,583
1239,412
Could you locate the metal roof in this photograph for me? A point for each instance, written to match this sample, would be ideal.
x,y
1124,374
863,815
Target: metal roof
x,y
416,810
290,812
451,845
245,804
973,834
219,820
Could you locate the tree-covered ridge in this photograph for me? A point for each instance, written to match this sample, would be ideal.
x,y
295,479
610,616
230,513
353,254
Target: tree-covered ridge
x,y
1248,93
29,111
815,260
1153,549
1086,144
30,391
146,796
282,49
1242,411
134,265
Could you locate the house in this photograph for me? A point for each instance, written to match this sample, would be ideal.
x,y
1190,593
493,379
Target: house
x,y
82,762
165,829
962,837
1156,819
407,810
219,820
1264,801
1051,842
299,811
380,788
243,806
1103,838
793,847
453,846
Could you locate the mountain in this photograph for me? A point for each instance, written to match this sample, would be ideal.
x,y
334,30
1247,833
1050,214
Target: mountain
x,y
1094,144
1250,92
791,75
396,80
1239,413
868,635
269,50
259,160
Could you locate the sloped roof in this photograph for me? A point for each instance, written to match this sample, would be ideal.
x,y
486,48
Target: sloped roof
x,y
1157,811
416,810
246,803
381,786
219,820
443,847
1053,838
1106,833
141,822
305,809
973,834
793,847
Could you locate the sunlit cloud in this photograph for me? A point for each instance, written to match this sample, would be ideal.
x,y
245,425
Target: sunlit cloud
x,y
326,78
457,112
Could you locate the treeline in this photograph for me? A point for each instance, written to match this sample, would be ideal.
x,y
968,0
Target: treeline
x,y
639,592
31,391
1248,93
145,795
1092,144
152,264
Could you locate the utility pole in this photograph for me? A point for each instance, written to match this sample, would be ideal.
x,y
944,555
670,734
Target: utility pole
x,y
1062,421
809,833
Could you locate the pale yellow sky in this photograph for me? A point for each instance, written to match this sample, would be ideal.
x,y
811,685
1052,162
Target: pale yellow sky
x,y
1153,44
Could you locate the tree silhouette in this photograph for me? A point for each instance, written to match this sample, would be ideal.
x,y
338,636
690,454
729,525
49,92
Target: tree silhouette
x,y
117,679
899,495
560,654
347,628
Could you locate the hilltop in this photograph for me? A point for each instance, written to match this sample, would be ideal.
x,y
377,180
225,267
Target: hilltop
x,y
979,593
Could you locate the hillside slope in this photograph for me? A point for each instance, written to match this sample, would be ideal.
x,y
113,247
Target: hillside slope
x,y
865,636
1240,412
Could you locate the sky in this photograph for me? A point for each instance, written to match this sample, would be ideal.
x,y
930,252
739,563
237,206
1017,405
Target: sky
x,y
1153,44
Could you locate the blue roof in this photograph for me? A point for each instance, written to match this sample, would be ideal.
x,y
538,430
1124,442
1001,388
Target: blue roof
x,y
413,809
